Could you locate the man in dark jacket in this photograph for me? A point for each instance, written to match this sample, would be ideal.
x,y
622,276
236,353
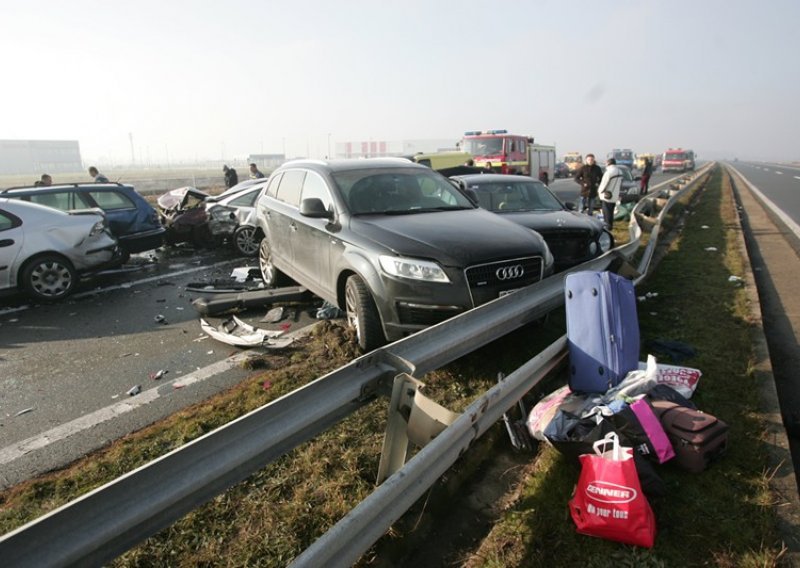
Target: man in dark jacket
x,y
588,176
231,177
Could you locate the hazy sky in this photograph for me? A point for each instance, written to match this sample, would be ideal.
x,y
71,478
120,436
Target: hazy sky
x,y
218,80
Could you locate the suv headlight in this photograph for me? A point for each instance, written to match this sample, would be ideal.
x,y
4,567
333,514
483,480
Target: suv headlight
x,y
413,269
606,241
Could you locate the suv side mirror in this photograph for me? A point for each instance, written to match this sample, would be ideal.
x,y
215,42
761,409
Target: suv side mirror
x,y
313,207
472,195
570,205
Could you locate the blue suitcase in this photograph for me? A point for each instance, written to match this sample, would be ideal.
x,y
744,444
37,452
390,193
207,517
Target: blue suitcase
x,y
602,330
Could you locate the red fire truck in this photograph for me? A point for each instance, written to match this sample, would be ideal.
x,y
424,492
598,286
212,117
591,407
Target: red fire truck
x,y
677,160
507,153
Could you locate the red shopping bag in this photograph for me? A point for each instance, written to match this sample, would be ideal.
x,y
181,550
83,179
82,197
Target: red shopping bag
x,y
608,500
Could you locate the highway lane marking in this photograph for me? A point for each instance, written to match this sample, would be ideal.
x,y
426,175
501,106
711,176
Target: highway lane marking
x,y
796,177
126,285
779,173
64,431
788,221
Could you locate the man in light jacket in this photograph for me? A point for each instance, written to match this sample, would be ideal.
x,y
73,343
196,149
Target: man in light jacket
x,y
608,191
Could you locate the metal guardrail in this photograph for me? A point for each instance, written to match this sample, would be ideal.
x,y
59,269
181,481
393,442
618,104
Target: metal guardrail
x,y
104,523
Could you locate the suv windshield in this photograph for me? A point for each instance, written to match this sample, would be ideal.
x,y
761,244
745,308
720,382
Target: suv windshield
x,y
675,156
524,196
398,191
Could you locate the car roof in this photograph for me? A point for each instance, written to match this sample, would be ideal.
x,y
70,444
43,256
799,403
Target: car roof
x,y
496,178
61,186
341,165
17,205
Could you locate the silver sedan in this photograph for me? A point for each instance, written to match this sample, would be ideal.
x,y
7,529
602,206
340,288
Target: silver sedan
x,y
44,251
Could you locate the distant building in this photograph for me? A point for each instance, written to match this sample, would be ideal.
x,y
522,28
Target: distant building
x,y
266,161
40,156
387,148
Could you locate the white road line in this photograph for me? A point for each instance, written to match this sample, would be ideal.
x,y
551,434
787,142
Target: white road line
x,y
779,173
789,222
64,431
152,279
796,177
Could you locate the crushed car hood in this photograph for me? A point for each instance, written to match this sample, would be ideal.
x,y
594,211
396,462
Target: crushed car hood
x,y
440,236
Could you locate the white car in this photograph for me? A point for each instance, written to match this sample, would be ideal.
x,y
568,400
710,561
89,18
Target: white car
x,y
233,216
44,251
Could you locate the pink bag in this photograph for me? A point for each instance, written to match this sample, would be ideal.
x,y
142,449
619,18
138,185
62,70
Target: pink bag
x,y
655,432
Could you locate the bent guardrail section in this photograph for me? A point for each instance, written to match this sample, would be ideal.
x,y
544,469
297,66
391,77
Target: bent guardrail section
x,y
106,522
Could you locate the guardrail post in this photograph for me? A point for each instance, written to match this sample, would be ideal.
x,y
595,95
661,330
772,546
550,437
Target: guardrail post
x,y
413,419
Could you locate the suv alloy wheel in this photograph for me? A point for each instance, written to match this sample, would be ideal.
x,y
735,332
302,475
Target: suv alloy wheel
x,y
272,276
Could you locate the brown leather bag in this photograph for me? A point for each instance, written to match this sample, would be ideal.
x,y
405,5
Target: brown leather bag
x,y
697,438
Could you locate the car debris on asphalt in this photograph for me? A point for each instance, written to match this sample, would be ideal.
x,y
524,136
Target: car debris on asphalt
x,y
234,331
134,390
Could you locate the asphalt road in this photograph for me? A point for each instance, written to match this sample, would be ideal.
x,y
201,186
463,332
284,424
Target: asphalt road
x,y
781,184
65,369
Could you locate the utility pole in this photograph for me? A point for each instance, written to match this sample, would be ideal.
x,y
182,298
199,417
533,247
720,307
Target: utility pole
x,y
329,146
133,156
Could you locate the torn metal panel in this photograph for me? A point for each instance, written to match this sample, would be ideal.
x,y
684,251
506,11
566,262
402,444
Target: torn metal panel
x,y
234,331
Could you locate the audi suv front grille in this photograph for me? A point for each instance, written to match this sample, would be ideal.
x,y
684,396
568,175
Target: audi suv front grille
x,y
487,281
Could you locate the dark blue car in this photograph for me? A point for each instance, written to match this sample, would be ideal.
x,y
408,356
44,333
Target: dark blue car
x,y
131,219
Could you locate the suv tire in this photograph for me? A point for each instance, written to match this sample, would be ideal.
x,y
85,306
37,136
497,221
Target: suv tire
x,y
272,277
49,278
362,314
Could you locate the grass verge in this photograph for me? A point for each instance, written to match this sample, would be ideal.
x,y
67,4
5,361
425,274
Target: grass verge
x,y
722,517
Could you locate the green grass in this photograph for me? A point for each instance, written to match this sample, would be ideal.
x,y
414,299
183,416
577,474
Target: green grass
x,y
722,517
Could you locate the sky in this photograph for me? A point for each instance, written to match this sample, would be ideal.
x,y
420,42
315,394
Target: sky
x,y
221,80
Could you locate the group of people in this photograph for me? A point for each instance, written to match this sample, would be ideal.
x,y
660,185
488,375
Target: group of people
x,y
232,178
46,180
605,186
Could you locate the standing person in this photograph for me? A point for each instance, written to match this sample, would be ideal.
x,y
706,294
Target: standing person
x,y
488,168
543,177
608,191
231,177
254,172
646,173
588,176
98,177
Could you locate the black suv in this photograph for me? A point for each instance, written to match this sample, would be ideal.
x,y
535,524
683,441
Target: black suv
x,y
131,219
573,237
395,244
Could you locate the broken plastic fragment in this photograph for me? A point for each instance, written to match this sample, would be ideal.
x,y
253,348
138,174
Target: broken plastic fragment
x,y
235,332
160,319
273,316
157,375
711,249
134,390
24,411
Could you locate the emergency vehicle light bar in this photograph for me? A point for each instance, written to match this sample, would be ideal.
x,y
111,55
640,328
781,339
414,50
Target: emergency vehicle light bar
x,y
479,132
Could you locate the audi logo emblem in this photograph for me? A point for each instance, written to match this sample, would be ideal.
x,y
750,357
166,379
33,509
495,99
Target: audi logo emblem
x,y
510,272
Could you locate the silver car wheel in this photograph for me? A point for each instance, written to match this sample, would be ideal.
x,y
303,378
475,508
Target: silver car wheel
x,y
245,241
50,278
